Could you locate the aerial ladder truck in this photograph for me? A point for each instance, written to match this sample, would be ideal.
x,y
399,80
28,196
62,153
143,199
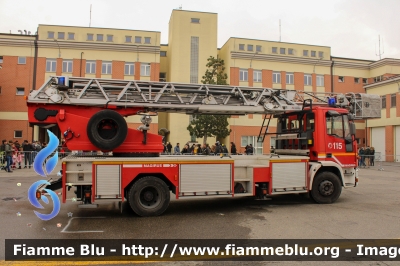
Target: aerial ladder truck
x,y
315,150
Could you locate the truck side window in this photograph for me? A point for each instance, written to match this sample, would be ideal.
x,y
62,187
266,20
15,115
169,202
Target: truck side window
x,y
334,126
310,122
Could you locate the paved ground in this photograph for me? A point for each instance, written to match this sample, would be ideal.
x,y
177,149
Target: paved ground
x,y
368,211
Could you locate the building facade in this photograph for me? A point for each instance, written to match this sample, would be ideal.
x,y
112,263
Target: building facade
x,y
26,61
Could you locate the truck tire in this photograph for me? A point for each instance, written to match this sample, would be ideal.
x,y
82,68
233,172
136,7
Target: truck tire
x,y
149,196
107,130
326,188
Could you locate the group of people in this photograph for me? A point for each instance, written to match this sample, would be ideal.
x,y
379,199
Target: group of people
x,y
205,149
366,157
13,154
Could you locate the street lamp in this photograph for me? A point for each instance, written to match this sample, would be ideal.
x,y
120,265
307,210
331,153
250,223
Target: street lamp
x,y
59,50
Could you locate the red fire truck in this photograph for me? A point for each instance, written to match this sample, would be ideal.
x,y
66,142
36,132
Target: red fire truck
x,y
315,150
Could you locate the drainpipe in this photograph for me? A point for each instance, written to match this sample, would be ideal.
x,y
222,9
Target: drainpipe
x,y
333,62
80,69
35,62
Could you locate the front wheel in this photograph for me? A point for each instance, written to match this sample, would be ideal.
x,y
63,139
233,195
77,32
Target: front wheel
x,y
326,188
149,196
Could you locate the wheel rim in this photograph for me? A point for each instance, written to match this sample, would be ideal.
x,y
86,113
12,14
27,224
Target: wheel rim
x,y
149,197
107,129
326,188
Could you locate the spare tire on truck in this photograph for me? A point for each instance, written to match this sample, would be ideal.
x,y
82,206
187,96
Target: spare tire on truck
x,y
107,130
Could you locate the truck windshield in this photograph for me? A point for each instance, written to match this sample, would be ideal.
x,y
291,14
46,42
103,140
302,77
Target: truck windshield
x,y
337,126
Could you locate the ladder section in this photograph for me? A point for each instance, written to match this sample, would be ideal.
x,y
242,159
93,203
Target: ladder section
x,y
191,98
261,135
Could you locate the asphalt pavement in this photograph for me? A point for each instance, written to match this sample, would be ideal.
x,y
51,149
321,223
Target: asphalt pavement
x,y
369,211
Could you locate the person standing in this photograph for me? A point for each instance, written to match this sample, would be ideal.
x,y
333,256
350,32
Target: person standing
x,y
169,147
233,148
372,157
9,153
27,149
177,149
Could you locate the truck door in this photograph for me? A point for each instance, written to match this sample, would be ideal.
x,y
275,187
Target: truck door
x,y
339,140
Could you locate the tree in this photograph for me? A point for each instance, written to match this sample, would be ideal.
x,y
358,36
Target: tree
x,y
215,72
204,126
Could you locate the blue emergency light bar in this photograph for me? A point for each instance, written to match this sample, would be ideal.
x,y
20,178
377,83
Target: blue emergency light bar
x,y
61,81
332,101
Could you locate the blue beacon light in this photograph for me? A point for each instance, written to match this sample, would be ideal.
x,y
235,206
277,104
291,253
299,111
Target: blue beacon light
x,y
331,101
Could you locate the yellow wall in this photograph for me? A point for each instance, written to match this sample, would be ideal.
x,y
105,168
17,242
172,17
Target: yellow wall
x,y
384,89
180,32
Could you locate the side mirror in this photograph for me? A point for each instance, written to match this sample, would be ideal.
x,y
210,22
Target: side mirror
x,y
352,129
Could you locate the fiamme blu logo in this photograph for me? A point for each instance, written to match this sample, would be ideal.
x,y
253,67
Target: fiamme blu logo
x,y
43,166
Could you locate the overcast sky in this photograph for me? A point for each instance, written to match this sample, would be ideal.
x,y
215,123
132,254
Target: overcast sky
x,y
349,27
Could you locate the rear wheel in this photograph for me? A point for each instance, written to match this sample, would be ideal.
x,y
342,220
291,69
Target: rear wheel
x,y
149,196
326,188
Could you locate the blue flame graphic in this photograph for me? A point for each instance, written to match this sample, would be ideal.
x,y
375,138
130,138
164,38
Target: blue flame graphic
x,y
44,153
38,166
33,200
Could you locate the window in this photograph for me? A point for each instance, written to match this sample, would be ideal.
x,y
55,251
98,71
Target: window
x,y
128,38
357,80
307,79
0,90
392,100
50,35
241,47
20,91
99,37
243,75
71,36
17,134
110,38
61,35
320,80
195,20
250,47
138,39
106,67
257,146
365,81
51,65
90,37
21,60
129,69
383,98
282,50
305,52
289,78
144,69
257,75
378,78
336,127
321,54
274,50
163,77
258,48
163,53
341,79
147,40
90,67
313,54
67,66
1,59
290,51
276,77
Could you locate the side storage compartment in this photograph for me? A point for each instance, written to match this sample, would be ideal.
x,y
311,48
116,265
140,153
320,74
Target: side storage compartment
x,y
205,179
108,181
290,177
